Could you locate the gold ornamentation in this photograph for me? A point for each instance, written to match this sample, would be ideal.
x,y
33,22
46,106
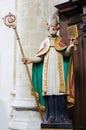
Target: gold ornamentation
x,y
73,32
59,44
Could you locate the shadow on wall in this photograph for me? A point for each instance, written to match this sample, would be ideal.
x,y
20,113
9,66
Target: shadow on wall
x,y
3,117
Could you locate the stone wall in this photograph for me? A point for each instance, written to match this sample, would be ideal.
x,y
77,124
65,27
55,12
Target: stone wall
x,y
32,16
15,88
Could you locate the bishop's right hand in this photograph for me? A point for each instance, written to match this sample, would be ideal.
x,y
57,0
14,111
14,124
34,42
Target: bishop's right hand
x,y
26,60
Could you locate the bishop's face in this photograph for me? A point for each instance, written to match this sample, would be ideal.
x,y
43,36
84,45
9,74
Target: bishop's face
x,y
53,30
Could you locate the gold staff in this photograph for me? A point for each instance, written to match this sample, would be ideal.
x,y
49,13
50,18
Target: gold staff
x,y
9,20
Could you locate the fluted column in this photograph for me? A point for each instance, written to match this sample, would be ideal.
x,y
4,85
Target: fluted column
x,y
31,22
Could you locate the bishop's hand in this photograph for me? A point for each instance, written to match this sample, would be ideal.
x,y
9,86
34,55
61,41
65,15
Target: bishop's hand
x,y
26,60
73,43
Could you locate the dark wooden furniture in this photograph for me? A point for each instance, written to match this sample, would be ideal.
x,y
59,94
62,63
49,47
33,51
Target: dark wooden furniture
x,y
74,12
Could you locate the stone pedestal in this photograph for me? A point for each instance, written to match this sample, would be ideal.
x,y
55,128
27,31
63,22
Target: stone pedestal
x,y
25,120
24,115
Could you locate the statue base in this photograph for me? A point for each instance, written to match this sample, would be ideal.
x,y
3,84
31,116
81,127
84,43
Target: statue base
x,y
56,125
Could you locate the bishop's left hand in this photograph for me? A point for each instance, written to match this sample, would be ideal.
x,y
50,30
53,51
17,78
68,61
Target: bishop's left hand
x,y
73,44
73,41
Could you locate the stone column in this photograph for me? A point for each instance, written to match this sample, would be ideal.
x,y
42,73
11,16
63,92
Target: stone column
x,y
31,22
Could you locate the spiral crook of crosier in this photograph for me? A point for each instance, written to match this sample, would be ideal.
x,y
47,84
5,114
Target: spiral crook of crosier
x,y
9,20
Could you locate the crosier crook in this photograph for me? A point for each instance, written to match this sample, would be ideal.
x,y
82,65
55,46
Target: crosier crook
x,y
9,20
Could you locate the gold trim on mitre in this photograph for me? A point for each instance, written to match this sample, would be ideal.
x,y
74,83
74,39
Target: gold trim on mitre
x,y
59,44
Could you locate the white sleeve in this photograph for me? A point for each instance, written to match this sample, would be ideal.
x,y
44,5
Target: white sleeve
x,y
37,59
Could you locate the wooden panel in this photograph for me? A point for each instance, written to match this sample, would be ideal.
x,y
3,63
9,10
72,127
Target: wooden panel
x,y
80,85
69,16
